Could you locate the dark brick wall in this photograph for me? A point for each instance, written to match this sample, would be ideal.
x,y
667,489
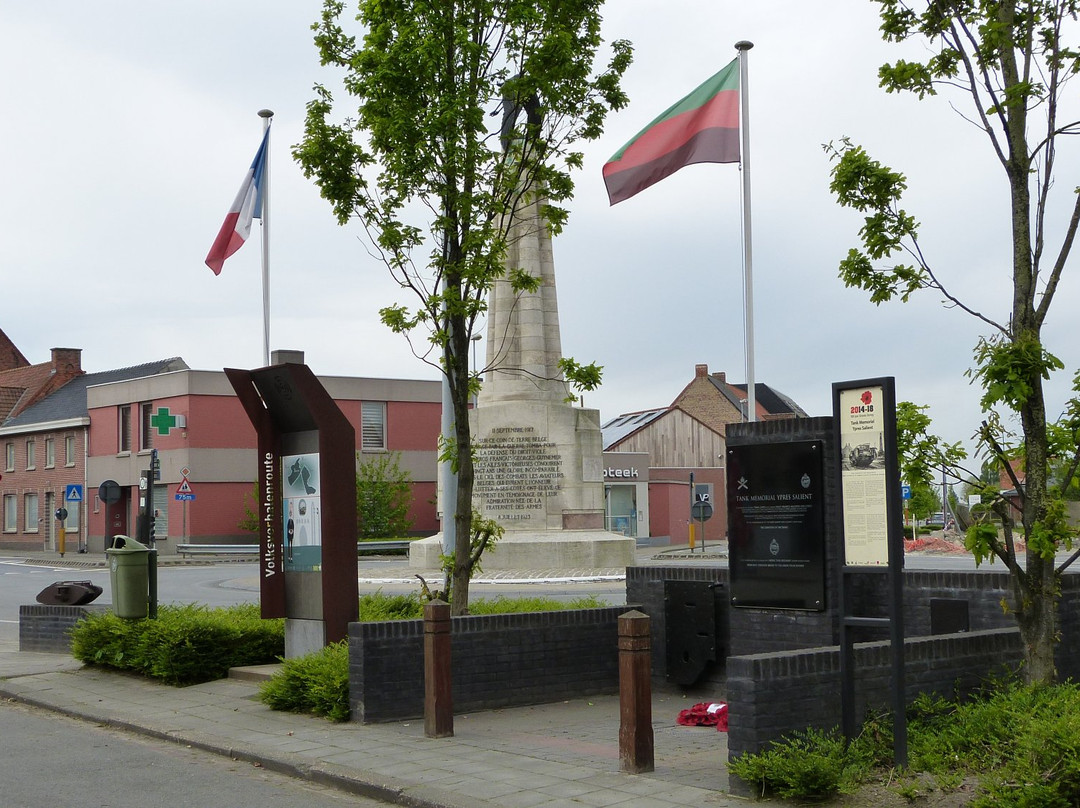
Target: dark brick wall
x,y
45,628
498,661
770,695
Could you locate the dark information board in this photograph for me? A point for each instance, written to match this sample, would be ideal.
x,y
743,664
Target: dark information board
x,y
776,525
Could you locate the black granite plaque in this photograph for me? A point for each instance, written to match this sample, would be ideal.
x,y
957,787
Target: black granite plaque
x,y
776,525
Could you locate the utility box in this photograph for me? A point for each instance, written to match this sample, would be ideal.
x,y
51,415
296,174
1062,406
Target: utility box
x,y
695,617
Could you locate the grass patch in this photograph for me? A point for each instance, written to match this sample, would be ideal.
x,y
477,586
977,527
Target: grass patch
x,y
378,607
1022,743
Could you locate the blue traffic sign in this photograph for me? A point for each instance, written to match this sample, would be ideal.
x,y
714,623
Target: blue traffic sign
x,y
184,497
73,493
905,491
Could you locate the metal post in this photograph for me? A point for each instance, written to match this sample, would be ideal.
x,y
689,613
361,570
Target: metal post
x,y
264,211
743,48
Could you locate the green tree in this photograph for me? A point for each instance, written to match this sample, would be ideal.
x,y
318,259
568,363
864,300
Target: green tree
x,y
424,167
383,497
1010,62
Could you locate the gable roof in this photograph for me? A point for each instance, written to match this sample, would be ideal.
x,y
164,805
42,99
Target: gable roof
x,y
20,386
626,424
769,400
10,356
70,400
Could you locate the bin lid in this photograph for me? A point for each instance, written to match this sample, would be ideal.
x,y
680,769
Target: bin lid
x,y
126,544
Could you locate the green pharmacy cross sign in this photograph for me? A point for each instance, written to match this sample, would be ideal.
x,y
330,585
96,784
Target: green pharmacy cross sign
x,y
163,421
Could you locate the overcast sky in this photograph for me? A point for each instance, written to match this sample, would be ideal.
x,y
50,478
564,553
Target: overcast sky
x,y
127,128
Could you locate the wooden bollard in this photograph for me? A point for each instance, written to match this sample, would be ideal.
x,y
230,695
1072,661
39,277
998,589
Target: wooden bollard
x,y
438,692
635,694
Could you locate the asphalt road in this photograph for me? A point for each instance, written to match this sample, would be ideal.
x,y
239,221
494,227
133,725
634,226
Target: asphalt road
x,y
48,760
238,582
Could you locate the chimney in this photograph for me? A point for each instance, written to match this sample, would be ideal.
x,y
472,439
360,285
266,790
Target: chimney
x,y
67,362
701,371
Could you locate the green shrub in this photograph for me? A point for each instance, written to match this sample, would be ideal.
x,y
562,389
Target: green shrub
x,y
185,645
811,765
377,607
315,683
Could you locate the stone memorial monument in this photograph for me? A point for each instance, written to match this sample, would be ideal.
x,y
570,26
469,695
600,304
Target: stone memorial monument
x,y
539,459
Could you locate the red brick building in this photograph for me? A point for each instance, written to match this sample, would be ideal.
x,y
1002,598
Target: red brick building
x,y
687,437
64,432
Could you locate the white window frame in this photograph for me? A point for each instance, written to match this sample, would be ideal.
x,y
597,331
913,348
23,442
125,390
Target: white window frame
x,y
146,429
123,429
50,453
69,450
373,426
11,513
9,456
31,451
31,507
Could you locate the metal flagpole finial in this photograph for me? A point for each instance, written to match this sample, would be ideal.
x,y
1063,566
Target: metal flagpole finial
x,y
266,113
741,45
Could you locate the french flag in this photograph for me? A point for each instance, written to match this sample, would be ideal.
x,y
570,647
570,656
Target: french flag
x,y
247,206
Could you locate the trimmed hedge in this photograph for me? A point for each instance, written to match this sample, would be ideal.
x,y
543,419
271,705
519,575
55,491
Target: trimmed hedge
x,y
185,645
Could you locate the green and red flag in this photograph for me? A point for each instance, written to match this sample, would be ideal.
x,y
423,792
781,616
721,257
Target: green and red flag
x,y
701,128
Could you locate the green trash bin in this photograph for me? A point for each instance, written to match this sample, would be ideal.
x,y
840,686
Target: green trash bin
x,y
130,577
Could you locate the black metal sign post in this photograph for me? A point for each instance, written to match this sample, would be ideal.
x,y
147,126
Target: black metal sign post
x,y
864,413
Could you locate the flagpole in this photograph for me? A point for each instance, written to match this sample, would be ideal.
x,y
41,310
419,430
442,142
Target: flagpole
x,y
266,115
748,276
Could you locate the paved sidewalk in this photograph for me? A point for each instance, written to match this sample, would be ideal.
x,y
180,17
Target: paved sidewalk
x,y
558,755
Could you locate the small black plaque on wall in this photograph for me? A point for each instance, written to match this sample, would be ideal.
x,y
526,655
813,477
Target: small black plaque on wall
x,y
776,525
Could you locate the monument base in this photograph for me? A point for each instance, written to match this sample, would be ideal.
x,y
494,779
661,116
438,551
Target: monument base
x,y
559,550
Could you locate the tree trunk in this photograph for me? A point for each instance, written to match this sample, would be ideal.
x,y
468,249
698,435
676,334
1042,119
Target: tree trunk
x,y
458,367
1037,618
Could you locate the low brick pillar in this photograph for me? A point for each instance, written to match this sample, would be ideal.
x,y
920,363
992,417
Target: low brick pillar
x,y
635,694
438,693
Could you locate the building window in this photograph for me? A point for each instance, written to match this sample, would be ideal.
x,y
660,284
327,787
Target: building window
x,y
71,524
69,450
9,457
11,516
124,429
30,515
31,450
50,453
373,426
146,430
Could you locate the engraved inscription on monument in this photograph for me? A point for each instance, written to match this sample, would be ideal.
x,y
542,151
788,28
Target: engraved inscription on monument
x,y
516,470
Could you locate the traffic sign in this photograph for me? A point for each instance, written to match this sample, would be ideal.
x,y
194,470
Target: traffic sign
x,y
109,492
702,511
905,491
184,497
184,487
73,493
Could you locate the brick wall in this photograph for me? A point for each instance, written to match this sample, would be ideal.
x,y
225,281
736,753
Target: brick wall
x,y
498,661
770,695
45,628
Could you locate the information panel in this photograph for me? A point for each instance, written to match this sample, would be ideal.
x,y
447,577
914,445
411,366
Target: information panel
x,y
776,525
301,503
864,481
